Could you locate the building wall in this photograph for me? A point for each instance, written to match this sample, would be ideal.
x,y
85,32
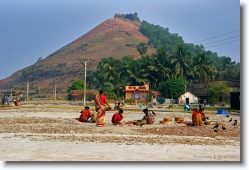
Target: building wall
x,y
192,98
137,92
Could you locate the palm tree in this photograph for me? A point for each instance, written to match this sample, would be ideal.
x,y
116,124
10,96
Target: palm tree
x,y
229,68
160,65
99,79
181,60
108,67
203,68
136,73
142,48
118,84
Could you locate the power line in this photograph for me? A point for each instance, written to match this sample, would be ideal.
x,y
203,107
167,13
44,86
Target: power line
x,y
221,40
216,36
223,43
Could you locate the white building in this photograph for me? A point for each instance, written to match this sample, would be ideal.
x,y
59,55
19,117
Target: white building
x,y
188,98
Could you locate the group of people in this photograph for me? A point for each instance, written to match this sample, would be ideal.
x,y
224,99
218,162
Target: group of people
x,y
6,100
102,105
198,116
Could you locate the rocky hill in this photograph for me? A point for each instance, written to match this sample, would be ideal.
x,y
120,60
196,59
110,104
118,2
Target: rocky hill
x,y
115,37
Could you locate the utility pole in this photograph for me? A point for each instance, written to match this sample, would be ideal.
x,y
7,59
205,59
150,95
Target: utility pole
x,y
55,91
27,89
84,65
85,87
84,99
172,99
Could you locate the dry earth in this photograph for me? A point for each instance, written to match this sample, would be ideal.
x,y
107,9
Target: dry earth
x,y
44,133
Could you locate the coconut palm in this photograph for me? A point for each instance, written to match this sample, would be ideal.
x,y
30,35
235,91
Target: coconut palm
x,y
108,66
136,73
181,61
160,65
118,83
229,68
203,68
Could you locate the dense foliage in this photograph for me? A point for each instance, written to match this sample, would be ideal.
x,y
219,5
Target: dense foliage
x,y
76,85
217,90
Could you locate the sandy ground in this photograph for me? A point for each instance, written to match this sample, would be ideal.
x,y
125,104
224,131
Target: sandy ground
x,y
46,134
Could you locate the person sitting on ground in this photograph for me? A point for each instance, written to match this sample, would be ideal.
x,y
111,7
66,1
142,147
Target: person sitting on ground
x,y
117,117
85,114
196,118
203,116
149,116
117,106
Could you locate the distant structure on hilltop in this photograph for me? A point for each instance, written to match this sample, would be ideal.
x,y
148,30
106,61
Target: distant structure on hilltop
x,y
132,17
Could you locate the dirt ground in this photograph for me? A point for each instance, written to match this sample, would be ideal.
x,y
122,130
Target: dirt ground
x,y
44,133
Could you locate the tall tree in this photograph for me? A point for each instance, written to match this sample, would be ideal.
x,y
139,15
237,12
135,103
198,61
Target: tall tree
x,y
118,84
109,66
181,60
136,72
173,87
203,68
142,48
160,64
229,68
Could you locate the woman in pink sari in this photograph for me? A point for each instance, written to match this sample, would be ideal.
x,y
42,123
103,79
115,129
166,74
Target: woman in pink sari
x,y
100,104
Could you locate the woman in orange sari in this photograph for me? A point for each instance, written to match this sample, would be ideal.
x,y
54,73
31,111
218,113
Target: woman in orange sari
x,y
203,116
196,118
100,104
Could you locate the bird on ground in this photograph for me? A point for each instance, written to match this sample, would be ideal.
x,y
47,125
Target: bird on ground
x,y
230,119
207,118
223,127
227,116
235,122
141,124
216,126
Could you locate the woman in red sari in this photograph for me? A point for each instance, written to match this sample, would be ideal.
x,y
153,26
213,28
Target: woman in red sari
x,y
85,114
117,117
100,104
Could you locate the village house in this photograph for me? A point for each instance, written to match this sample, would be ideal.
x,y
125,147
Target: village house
x,y
140,93
199,89
188,98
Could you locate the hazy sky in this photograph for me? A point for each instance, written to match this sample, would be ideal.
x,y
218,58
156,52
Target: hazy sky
x,y
31,29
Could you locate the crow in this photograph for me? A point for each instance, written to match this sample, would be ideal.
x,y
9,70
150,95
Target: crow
x,y
216,126
235,122
230,119
141,124
227,116
223,127
207,118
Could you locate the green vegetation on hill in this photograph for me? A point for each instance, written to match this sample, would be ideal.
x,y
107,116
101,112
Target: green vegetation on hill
x,y
174,62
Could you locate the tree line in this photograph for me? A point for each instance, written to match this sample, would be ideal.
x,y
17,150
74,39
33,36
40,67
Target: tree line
x,y
174,64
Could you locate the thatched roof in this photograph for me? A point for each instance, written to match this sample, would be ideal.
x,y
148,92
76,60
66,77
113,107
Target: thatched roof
x,y
78,94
